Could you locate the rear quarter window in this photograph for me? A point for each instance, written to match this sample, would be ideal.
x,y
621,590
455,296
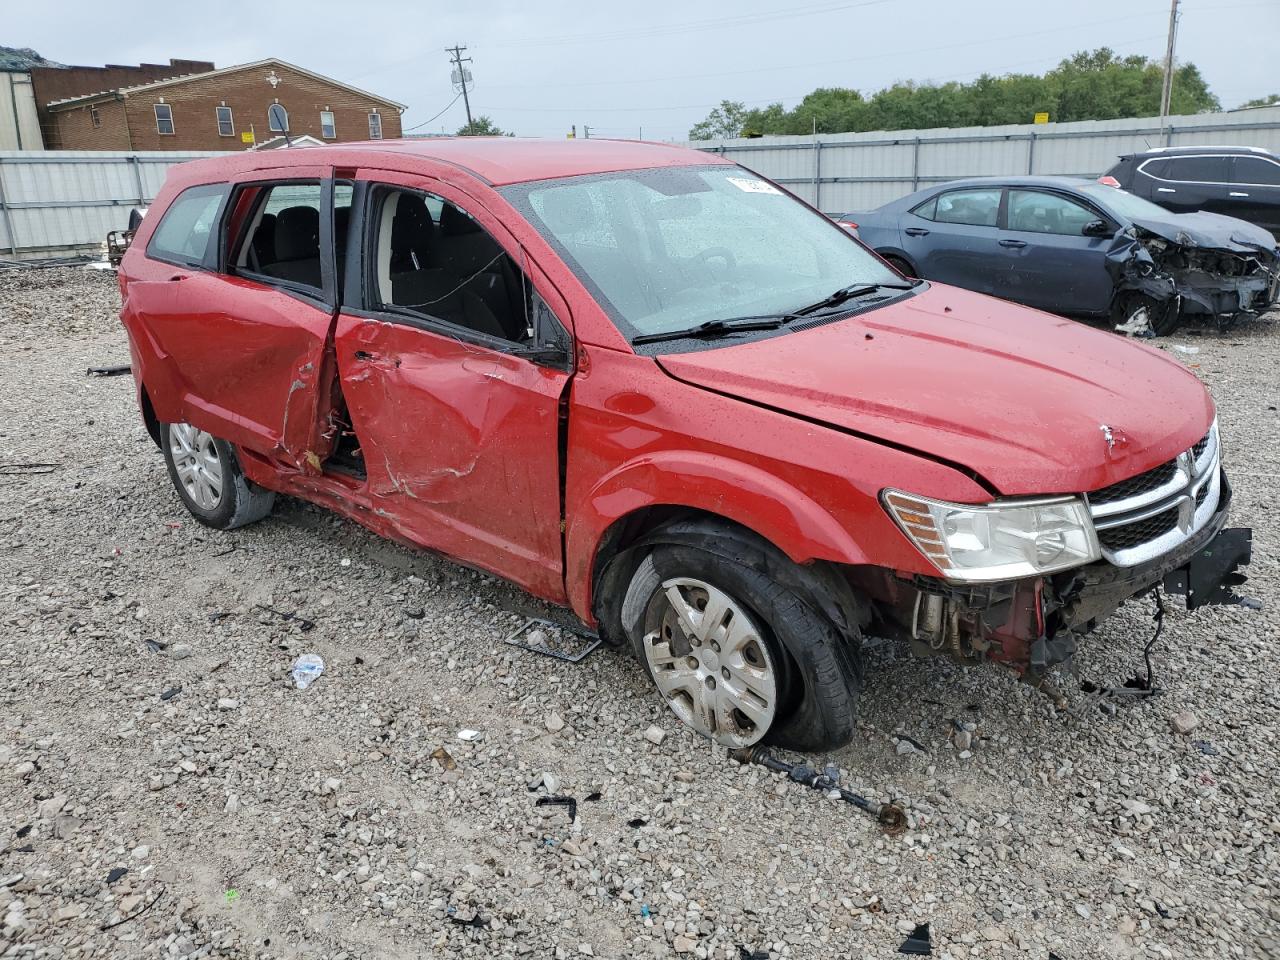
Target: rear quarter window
x,y
187,229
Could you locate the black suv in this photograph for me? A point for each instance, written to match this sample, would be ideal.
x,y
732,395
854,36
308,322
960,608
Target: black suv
x,y
1240,182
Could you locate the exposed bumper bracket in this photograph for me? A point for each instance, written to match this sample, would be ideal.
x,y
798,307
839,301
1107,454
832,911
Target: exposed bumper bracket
x,y
1213,570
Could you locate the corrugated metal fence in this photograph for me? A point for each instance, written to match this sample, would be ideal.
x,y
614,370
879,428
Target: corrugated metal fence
x,y
61,202
860,171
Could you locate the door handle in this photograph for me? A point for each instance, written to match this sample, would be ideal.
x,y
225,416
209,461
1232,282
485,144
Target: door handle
x,y
916,232
1165,190
1013,243
1237,193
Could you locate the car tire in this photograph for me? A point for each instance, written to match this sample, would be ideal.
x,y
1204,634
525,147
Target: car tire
x,y
207,476
1161,319
902,267
773,670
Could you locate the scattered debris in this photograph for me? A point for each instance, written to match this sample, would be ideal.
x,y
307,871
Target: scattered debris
x,y
442,756
655,735
227,703
558,801
115,873
636,823
918,943
1205,747
593,795
470,736
307,669
232,895
304,624
115,370
170,693
137,913
26,469
745,954
553,640
475,920
891,817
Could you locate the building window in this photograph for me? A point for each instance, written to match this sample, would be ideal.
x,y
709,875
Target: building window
x,y
327,128
94,117
375,126
277,120
164,118
226,124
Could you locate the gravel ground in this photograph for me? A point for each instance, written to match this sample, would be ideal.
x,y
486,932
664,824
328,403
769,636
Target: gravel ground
x,y
166,792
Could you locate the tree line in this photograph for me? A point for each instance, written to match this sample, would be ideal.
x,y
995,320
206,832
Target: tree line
x,y
1091,85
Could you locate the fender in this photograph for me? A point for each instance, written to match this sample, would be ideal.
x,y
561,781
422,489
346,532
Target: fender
x,y
751,497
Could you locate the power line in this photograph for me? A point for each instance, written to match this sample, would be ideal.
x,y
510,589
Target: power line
x,y
436,117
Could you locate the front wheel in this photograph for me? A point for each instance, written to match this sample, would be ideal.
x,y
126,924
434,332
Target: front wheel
x,y
737,655
208,478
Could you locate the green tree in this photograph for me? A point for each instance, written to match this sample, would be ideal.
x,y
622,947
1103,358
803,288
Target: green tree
x,y
725,120
482,127
1092,85
1269,101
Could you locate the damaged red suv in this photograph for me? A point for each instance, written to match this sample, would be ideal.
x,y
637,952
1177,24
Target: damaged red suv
x,y
647,384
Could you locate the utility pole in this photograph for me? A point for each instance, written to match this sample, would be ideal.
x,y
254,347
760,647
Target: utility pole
x,y
586,132
461,74
1167,91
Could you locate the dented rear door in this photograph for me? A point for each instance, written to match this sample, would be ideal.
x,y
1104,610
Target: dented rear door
x,y
235,352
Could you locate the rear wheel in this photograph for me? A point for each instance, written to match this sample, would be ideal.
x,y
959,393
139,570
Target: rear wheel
x,y
208,478
739,656
902,267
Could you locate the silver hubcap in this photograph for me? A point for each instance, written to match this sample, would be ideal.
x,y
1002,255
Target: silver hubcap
x,y
710,662
195,459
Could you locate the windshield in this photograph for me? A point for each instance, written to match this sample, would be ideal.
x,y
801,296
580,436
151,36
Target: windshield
x,y
667,249
1124,203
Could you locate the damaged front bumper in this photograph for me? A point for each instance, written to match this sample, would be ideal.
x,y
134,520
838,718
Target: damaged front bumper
x,y
1183,276
1033,624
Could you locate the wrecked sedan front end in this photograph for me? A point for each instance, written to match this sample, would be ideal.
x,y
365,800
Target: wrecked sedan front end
x,y
1191,264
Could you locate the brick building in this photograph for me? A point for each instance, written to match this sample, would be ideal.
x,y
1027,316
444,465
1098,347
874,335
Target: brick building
x,y
205,108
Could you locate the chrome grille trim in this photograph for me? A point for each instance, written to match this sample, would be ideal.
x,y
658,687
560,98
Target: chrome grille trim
x,y
1194,491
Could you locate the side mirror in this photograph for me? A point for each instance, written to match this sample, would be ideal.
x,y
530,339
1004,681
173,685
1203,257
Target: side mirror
x,y
1097,228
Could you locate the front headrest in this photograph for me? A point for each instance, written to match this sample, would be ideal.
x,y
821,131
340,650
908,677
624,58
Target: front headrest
x,y
455,223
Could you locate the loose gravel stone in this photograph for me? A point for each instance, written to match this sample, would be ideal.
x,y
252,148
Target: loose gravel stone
x,y
325,823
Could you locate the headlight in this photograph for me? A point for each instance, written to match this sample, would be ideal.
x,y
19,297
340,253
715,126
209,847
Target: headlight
x,y
997,541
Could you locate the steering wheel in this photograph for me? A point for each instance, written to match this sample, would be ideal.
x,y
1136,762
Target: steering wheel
x,y
720,253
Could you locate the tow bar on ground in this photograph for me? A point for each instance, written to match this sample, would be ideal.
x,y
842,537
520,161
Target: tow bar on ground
x,y
891,817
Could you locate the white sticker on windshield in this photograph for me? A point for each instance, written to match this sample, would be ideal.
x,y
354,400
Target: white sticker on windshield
x,y
753,186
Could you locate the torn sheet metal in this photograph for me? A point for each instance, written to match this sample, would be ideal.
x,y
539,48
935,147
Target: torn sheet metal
x,y
1213,267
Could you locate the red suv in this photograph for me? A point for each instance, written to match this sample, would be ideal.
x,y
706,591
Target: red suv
x,y
650,385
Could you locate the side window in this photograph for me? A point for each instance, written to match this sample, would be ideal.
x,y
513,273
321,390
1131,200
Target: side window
x,y
1158,168
927,210
283,237
1257,170
977,207
188,227
434,261
1036,212
1199,169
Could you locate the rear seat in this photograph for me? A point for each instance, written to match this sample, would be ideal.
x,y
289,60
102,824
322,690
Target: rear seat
x,y
297,246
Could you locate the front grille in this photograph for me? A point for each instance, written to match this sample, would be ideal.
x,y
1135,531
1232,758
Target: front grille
x,y
1153,479
1145,516
1135,534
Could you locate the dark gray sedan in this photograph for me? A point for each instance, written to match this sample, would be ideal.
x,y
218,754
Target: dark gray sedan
x,y
1077,247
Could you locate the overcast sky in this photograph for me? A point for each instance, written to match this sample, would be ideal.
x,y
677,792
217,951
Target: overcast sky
x,y
657,66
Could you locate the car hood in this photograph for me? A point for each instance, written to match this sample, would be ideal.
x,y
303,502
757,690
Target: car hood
x,y
1212,231
1017,396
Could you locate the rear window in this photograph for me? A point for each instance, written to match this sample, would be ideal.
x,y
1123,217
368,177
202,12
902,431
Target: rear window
x,y
1199,169
979,208
186,230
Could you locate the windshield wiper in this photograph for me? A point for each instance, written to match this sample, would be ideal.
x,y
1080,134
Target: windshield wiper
x,y
852,292
717,328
